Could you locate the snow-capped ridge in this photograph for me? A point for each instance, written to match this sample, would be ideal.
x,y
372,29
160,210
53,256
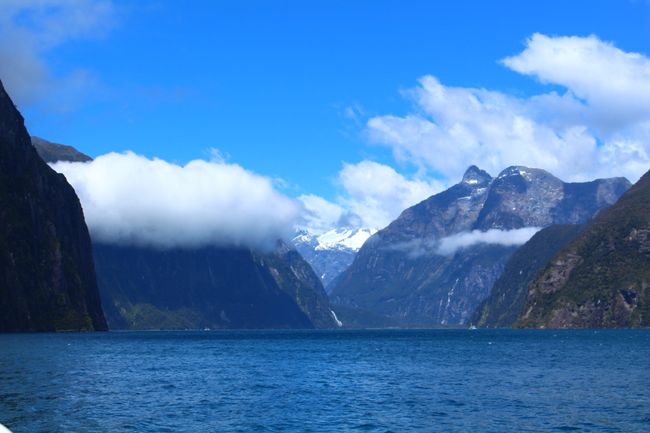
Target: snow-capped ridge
x,y
351,239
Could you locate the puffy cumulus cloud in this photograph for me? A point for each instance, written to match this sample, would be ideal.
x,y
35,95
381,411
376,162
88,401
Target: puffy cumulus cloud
x,y
378,194
450,244
29,29
372,195
600,125
615,83
129,199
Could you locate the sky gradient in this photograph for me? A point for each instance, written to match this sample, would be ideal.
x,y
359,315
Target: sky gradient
x,y
318,96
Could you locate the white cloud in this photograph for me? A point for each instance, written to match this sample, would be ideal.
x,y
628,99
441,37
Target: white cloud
x,y
615,84
372,195
319,215
600,126
378,193
30,29
450,244
130,199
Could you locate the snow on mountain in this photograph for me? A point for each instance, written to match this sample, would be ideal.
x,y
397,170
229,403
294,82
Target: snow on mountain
x,y
330,253
343,239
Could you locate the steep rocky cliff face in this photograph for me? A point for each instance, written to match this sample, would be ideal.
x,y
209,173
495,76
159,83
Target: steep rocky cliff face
x,y
404,274
509,293
602,278
144,288
47,276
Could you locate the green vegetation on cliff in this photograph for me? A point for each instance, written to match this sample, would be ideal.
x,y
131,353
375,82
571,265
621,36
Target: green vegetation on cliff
x,y
506,301
602,278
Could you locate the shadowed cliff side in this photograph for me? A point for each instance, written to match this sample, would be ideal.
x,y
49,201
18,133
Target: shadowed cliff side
x,y
508,296
209,287
47,276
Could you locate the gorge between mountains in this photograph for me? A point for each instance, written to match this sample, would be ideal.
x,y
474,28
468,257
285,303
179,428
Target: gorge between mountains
x,y
520,249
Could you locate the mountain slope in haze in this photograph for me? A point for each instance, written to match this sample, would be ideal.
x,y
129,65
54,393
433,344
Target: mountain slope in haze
x,y
602,278
53,152
509,293
47,276
211,287
330,253
404,274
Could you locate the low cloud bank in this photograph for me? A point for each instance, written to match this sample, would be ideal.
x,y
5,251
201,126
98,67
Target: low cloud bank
x,y
453,243
130,199
449,245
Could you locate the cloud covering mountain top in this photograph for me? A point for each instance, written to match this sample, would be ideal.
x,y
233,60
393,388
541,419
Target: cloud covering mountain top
x,y
130,199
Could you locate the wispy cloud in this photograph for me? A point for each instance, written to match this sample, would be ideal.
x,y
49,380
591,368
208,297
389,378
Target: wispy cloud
x,y
449,245
130,199
30,29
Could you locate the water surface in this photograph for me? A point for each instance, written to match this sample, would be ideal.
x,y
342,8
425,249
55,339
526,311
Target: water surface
x,y
327,381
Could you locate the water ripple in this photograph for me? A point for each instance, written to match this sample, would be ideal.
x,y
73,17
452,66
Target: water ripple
x,y
326,381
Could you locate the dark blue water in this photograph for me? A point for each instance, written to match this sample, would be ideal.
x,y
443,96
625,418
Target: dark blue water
x,y
399,381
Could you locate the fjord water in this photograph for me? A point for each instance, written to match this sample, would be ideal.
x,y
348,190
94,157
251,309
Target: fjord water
x,y
327,381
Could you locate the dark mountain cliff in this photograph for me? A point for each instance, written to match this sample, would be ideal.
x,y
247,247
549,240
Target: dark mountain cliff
x,y
47,276
602,278
145,288
400,274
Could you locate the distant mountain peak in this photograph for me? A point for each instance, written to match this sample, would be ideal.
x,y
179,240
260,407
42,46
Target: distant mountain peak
x,y
330,253
475,176
344,238
53,152
401,277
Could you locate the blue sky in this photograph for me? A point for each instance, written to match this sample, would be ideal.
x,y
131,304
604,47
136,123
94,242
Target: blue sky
x,y
285,89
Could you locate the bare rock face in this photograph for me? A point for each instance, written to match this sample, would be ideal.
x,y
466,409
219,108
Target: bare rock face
x,y
47,275
401,274
601,278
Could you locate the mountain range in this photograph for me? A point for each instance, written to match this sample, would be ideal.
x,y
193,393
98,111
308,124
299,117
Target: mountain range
x,y
522,249
439,259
